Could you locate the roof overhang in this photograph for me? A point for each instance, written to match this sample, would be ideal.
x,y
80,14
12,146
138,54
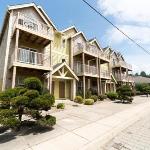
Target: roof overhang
x,y
67,66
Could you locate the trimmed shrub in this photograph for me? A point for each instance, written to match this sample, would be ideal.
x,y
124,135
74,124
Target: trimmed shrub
x,y
44,102
22,91
88,102
60,106
31,94
33,83
20,101
94,97
88,93
47,121
102,97
125,93
79,99
112,95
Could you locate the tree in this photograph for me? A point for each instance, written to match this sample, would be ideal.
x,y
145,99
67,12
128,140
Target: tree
x,y
14,103
125,93
143,74
136,74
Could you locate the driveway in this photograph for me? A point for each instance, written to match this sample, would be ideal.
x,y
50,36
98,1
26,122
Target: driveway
x,y
77,126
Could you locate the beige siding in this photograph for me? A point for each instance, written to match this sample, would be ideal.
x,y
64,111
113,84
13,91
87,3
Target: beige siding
x,y
3,54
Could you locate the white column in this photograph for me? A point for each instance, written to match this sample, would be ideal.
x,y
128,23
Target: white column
x,y
16,44
14,77
50,82
74,89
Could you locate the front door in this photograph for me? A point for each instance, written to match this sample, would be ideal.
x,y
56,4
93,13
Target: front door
x,y
61,89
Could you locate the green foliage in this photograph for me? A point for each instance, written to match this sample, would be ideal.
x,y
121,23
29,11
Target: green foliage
x,y
60,106
125,93
78,99
88,93
94,97
8,118
43,102
31,94
33,83
88,102
112,95
26,100
22,91
143,74
20,101
102,97
47,121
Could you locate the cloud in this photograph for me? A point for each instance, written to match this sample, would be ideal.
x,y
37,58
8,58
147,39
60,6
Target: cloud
x,y
140,34
136,11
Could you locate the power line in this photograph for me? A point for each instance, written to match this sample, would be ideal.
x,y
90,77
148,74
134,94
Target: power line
x,y
132,40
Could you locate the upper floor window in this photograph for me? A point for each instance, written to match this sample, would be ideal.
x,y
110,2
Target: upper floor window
x,y
63,43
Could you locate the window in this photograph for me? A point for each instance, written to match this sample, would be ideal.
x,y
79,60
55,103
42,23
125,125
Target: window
x,y
63,43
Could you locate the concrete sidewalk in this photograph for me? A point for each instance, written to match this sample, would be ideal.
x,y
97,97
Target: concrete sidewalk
x,y
85,127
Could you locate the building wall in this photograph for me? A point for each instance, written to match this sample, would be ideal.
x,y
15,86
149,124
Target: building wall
x,y
59,50
2,55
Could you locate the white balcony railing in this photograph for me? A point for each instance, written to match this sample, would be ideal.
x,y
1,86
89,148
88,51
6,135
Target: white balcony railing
x,y
33,25
104,74
89,70
90,49
121,64
28,56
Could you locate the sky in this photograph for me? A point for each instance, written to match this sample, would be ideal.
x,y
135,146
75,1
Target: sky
x,y
131,16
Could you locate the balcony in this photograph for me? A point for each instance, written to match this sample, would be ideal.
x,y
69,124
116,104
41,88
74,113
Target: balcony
x,y
121,64
30,59
33,26
87,48
104,57
121,77
89,70
105,74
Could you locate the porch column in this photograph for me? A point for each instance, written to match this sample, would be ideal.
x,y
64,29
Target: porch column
x,y
83,86
50,82
105,90
16,45
83,68
14,77
98,91
74,89
100,83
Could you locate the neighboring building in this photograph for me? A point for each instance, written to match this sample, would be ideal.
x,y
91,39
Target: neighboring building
x,y
65,61
140,80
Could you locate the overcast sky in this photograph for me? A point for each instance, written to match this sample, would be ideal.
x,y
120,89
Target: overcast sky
x,y
132,16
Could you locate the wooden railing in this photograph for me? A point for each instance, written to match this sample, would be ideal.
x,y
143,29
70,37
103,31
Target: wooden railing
x,y
81,69
33,25
121,64
104,74
90,49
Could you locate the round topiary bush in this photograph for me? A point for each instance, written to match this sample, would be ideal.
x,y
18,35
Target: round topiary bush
x,y
60,106
88,102
102,97
94,97
20,101
31,94
33,83
112,95
47,121
79,99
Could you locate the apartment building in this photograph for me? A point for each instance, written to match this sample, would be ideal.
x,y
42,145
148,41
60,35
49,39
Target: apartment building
x,y
65,61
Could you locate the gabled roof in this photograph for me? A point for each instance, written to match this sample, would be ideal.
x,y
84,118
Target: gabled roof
x,y
95,40
39,9
69,28
60,65
80,33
